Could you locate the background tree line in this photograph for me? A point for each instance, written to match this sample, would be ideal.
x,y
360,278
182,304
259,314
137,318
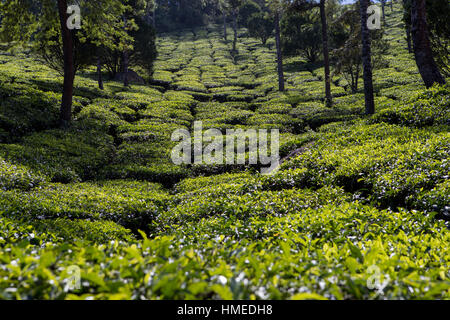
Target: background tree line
x,y
327,32
119,34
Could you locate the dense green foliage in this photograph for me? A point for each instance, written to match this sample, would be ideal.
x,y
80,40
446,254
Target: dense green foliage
x,y
353,193
301,34
260,25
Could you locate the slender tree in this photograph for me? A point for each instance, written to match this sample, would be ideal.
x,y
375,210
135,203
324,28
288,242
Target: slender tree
x,y
224,16
125,59
155,6
326,55
366,58
235,31
407,22
422,47
383,9
69,65
234,7
222,7
276,8
279,53
99,73
408,38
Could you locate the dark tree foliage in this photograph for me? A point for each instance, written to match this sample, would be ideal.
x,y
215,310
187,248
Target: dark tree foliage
x,y
179,14
438,13
144,52
260,25
246,11
142,55
301,34
49,47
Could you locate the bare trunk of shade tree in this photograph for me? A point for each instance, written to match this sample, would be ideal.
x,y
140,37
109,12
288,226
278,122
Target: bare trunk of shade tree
x,y
125,68
366,58
99,74
69,66
235,16
326,57
224,26
407,30
150,18
422,48
125,61
279,53
408,38
383,9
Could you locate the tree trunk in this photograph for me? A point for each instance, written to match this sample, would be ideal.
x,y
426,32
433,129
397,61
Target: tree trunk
x,y
279,53
125,61
422,48
150,18
69,67
408,38
99,74
357,79
235,14
224,25
383,7
353,82
326,57
366,59
125,68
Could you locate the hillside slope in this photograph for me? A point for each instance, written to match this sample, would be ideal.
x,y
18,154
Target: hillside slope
x,y
360,197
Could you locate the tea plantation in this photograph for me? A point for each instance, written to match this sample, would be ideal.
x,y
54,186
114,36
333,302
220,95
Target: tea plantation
x,y
357,199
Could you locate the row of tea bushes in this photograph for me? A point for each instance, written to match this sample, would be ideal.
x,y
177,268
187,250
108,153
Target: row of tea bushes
x,y
129,203
428,108
334,252
386,164
18,177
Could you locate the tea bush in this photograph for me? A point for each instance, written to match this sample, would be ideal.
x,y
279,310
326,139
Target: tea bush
x,y
85,230
387,163
63,156
429,108
18,177
130,204
24,109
